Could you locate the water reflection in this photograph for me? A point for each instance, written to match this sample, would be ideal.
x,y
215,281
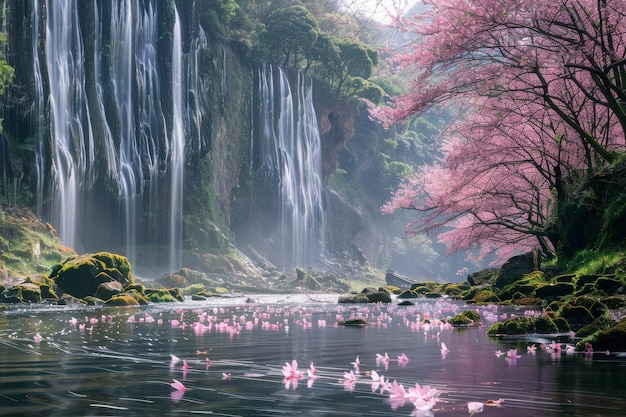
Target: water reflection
x,y
235,353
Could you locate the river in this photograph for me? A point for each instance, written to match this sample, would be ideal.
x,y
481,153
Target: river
x,y
61,361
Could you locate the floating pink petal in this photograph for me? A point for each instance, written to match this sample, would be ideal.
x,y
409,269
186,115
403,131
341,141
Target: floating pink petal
x,y
37,338
177,385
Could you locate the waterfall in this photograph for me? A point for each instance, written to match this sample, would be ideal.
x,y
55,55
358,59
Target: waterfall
x,y
38,112
72,141
112,151
290,149
177,150
121,78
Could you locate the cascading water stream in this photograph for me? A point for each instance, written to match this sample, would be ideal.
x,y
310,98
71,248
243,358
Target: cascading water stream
x,y
38,112
72,141
177,150
121,72
290,149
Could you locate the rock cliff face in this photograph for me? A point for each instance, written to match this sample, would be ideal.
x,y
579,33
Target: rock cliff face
x,y
130,130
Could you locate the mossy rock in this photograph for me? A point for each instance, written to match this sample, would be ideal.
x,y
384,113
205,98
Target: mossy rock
x,y
160,296
353,299
552,291
545,325
140,288
423,287
47,293
586,289
561,324
601,323
614,302
176,293
193,289
612,339
94,301
139,296
471,293
378,297
608,285
353,323
528,301
206,294
567,278
80,276
514,326
70,300
407,294
25,292
121,300
109,289
587,279
454,289
77,276
465,318
596,307
119,263
577,316
486,296
221,290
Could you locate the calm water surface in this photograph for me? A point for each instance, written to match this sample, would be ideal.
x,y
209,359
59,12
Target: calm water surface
x,y
114,366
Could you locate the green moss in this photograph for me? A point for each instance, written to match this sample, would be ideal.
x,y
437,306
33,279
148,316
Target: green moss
x,y
121,301
601,323
407,294
194,289
466,318
545,325
353,323
608,285
160,296
116,262
612,339
376,297
561,324
486,296
576,316
552,291
138,296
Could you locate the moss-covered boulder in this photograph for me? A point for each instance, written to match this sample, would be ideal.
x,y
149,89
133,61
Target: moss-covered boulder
x,y
380,296
555,290
26,292
109,289
576,316
353,299
608,285
406,294
160,296
80,276
466,318
545,325
514,326
612,339
484,296
601,323
70,300
121,300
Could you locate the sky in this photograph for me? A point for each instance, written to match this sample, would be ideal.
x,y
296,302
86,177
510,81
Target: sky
x,y
379,7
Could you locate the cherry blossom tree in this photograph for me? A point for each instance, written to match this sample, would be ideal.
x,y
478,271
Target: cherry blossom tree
x,y
543,93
